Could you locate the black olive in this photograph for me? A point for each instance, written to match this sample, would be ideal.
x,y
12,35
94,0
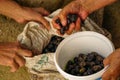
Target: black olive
x,y
73,72
62,31
66,28
91,64
85,74
80,59
45,50
77,68
89,71
102,65
76,59
71,18
82,70
68,21
94,53
82,64
99,58
97,62
52,50
67,70
70,62
81,55
58,22
78,74
50,46
54,42
96,68
90,57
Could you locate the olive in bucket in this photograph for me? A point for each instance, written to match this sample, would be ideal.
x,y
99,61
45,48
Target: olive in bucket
x,y
85,51
83,65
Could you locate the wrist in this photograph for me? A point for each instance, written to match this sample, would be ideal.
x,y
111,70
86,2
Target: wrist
x,y
93,5
86,6
11,9
82,9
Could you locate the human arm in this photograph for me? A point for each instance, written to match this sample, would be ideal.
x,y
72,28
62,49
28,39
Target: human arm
x,y
113,63
12,55
22,14
82,8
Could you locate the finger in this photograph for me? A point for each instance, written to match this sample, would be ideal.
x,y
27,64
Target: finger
x,y
43,21
9,53
63,17
106,76
14,66
21,20
106,61
8,61
111,72
71,28
4,60
12,54
114,78
24,52
8,45
78,22
55,25
42,11
84,15
20,60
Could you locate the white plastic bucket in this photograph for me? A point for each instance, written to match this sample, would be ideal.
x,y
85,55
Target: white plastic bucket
x,y
82,42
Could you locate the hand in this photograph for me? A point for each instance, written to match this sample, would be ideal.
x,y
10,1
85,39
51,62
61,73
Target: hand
x,y
82,8
22,14
113,71
74,7
12,55
33,14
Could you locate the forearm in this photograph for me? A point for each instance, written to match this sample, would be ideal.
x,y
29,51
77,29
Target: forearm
x,y
93,5
9,8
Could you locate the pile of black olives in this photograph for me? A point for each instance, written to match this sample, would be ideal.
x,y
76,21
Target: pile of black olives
x,y
54,42
71,18
84,65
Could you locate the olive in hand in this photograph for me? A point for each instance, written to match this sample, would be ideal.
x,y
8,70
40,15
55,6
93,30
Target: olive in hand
x,y
71,18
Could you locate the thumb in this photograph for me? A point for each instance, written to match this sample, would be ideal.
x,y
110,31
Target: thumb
x,y
24,52
83,15
63,17
106,61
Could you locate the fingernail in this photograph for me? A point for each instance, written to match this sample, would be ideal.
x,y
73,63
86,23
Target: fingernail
x,y
49,27
63,23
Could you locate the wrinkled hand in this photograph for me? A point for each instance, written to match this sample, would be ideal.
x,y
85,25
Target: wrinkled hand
x,y
12,55
22,14
33,14
74,7
113,71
